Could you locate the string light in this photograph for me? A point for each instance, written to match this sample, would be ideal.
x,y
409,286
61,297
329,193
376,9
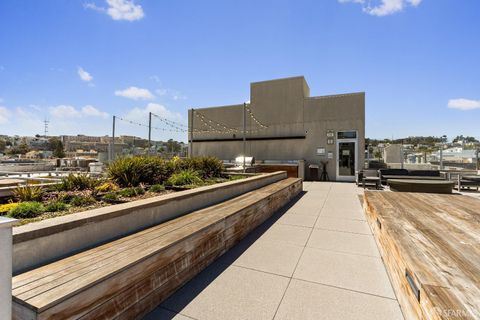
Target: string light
x,y
214,125
211,123
255,119
146,125
176,125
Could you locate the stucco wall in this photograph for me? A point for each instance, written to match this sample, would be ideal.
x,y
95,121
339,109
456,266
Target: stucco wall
x,y
297,124
338,113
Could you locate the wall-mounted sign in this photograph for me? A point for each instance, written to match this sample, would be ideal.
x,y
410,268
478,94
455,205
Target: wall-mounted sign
x,y
330,155
330,134
330,141
320,151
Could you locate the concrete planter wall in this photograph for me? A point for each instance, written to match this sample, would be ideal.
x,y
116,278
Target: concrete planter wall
x,y
38,243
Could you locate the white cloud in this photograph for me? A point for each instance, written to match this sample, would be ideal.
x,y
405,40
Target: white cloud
x,y
93,6
141,114
24,113
84,75
124,10
4,114
135,93
175,95
35,107
64,111
119,9
89,110
28,120
463,104
70,112
384,7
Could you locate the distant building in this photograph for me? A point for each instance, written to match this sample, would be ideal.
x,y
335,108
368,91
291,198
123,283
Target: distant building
x,y
457,154
38,154
393,153
283,123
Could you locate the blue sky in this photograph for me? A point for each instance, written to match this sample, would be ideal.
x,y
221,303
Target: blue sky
x,y
77,63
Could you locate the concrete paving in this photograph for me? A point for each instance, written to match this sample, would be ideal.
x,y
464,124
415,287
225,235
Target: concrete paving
x,y
315,259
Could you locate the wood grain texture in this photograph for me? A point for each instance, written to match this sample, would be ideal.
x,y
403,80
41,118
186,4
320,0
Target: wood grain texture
x,y
129,277
436,239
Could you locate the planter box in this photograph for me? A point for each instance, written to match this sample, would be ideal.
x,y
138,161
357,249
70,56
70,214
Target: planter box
x,y
42,242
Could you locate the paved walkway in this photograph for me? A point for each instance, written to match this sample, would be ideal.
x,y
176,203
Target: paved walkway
x,y
316,259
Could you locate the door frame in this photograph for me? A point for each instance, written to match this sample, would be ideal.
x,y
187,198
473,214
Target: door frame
x,y
338,177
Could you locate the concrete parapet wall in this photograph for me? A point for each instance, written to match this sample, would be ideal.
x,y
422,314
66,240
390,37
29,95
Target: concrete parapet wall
x,y
42,242
27,167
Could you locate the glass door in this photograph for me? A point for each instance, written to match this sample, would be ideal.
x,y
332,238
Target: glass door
x,y
346,159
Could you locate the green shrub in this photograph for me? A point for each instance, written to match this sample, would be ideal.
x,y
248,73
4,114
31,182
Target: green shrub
x,y
207,167
157,188
211,167
185,177
131,192
235,177
28,193
56,205
78,182
111,196
24,210
131,172
82,200
4,208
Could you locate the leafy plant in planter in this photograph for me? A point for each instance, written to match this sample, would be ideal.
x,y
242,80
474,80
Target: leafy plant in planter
x,y
111,197
131,192
79,182
55,206
131,172
211,167
107,186
28,193
157,188
25,210
4,208
82,200
184,177
207,167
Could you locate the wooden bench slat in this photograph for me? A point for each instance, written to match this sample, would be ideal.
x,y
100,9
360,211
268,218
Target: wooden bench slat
x,y
105,251
73,278
436,238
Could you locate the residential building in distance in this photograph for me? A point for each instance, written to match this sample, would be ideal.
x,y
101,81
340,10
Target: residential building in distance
x,y
393,153
456,155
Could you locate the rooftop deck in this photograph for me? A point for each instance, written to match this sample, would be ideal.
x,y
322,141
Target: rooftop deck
x,y
430,245
316,259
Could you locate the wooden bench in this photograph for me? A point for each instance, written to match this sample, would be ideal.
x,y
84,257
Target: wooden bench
x,y
430,246
128,277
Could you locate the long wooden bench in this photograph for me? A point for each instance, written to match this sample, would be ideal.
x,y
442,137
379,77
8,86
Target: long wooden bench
x,y
430,246
129,277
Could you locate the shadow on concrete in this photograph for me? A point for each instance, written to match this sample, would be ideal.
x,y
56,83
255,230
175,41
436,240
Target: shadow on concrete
x,y
184,295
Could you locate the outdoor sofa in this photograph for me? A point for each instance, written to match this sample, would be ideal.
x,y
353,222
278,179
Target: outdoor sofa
x,y
386,174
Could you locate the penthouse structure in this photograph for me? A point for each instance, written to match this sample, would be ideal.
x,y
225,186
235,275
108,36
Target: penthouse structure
x,y
283,123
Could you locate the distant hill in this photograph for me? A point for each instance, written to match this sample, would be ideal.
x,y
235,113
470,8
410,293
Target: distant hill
x,y
418,140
